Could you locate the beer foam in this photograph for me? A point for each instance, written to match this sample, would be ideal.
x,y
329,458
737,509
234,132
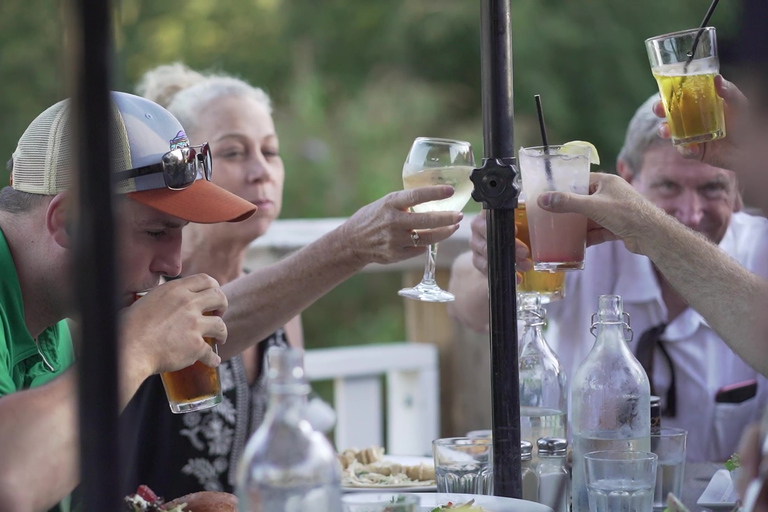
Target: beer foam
x,y
710,65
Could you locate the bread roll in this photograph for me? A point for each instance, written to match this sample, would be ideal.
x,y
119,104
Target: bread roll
x,y
370,455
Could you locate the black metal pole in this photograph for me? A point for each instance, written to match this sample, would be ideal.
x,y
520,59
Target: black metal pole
x,y
495,186
95,270
753,40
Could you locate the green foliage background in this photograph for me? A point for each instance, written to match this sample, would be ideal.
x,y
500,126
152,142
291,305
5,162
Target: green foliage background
x,y
354,82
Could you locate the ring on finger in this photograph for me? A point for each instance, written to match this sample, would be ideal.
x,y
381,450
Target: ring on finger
x,y
415,238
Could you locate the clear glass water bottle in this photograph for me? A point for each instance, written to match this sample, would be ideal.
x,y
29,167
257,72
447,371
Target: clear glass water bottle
x,y
287,466
611,397
553,477
543,383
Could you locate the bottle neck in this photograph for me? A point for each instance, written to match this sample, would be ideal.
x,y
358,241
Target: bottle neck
x,y
611,335
532,339
288,396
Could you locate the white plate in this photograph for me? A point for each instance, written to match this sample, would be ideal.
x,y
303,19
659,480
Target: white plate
x,y
720,493
406,460
488,503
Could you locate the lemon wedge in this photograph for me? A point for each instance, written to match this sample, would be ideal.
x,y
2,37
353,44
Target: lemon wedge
x,y
594,158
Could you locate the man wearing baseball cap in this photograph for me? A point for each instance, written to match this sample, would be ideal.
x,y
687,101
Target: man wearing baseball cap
x,y
163,183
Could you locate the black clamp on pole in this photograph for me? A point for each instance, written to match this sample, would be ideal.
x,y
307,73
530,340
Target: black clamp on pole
x,y
496,183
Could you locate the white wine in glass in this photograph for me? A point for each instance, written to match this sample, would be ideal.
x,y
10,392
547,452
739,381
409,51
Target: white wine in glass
x,y
437,162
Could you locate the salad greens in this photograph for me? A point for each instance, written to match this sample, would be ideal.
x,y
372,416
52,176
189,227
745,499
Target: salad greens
x,y
733,463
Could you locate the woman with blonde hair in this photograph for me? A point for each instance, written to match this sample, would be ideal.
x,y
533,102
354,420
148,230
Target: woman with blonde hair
x,y
179,454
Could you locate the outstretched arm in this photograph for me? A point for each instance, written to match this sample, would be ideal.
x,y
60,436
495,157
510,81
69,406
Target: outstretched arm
x,y
469,277
380,232
470,287
732,299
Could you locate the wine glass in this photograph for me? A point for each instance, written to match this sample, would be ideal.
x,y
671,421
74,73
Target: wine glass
x,y
437,162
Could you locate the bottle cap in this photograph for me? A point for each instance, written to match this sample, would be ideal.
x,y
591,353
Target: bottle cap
x,y
526,450
552,446
528,301
529,307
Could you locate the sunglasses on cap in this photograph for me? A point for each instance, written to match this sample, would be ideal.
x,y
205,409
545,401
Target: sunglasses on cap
x,y
179,168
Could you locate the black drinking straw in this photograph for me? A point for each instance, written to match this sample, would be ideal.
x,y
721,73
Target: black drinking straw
x,y
703,25
543,127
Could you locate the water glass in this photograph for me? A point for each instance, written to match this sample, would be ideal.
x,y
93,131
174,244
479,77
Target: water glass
x,y
669,447
463,465
380,503
620,481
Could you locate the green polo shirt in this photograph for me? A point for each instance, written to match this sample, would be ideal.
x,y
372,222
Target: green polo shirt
x,y
26,362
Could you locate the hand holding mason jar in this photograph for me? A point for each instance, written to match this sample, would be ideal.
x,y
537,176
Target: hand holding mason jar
x,y
176,327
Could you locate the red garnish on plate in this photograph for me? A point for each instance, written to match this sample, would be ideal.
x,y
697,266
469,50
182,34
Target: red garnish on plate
x,y
146,494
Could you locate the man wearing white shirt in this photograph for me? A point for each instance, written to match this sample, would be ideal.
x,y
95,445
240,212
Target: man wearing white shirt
x,y
686,360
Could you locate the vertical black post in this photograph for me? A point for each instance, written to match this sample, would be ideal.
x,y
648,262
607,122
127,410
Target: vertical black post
x,y
495,187
753,42
95,273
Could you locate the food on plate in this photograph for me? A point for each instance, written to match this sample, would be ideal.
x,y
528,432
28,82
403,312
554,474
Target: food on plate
x,y
469,506
733,463
369,467
674,504
145,500
364,456
206,501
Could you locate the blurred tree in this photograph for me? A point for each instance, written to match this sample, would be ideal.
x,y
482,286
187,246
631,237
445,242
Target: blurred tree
x,y
31,67
354,83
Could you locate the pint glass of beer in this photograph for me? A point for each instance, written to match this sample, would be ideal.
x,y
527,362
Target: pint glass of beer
x,y
192,388
686,82
550,285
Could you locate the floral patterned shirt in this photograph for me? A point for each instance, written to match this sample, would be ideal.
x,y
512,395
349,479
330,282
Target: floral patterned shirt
x,y
177,454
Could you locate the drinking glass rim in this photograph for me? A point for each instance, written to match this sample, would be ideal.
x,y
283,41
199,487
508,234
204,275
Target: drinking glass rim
x,y
452,441
585,150
480,434
440,140
670,432
626,455
679,33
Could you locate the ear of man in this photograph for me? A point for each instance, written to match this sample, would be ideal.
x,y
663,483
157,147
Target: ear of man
x,y
58,220
623,170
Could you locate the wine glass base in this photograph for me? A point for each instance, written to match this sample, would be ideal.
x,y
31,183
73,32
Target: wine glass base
x,y
426,292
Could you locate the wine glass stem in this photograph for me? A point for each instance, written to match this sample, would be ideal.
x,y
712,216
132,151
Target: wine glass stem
x,y
429,269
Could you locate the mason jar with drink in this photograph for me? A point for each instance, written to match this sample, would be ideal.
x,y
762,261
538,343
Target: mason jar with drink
x,y
685,65
193,388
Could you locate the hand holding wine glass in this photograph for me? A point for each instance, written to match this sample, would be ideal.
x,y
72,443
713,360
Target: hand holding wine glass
x,y
437,162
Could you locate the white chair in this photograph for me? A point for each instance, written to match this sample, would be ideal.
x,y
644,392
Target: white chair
x,y
412,394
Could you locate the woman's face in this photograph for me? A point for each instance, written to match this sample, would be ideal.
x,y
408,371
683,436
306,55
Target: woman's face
x,y
246,159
